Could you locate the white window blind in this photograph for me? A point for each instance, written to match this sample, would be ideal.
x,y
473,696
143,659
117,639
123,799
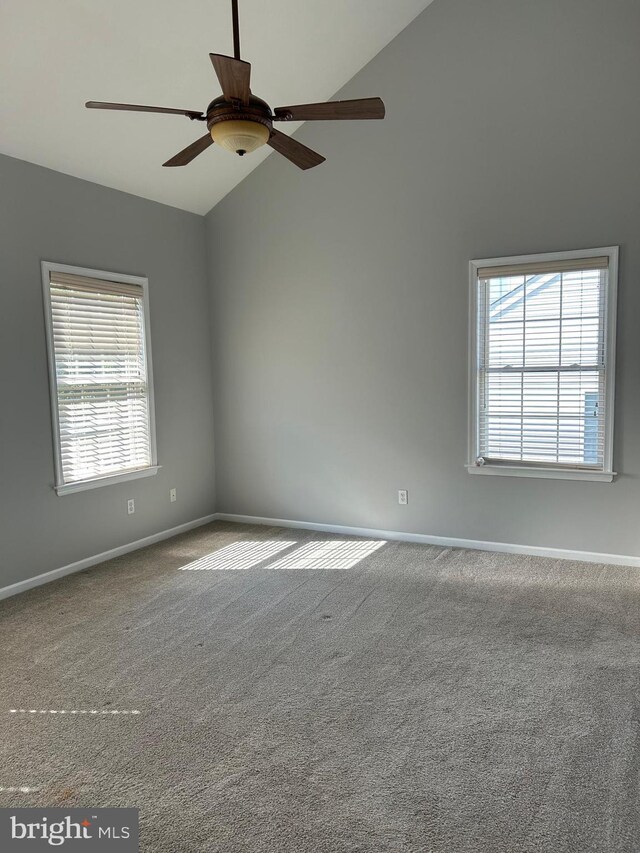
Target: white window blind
x,y
102,394
541,364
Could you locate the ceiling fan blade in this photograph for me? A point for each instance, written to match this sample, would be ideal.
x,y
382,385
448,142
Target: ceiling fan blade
x,y
234,76
190,152
364,108
303,157
138,108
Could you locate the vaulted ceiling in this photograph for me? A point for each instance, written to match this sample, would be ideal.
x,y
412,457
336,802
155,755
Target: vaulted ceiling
x,y
54,56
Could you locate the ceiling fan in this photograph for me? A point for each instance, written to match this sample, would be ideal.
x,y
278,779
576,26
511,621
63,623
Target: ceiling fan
x,y
240,122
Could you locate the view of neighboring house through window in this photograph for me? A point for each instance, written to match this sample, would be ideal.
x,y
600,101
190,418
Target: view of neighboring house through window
x,y
542,364
100,373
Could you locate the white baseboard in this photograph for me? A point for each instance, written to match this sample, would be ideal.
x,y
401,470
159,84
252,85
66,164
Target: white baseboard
x,y
38,580
443,541
373,533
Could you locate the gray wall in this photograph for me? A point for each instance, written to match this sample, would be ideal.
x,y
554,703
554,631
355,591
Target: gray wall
x,y
50,216
340,295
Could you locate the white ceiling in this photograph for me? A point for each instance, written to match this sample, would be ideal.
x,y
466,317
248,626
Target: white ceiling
x,y
55,55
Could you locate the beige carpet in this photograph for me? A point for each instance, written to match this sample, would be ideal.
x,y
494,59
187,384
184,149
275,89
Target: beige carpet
x,y
422,699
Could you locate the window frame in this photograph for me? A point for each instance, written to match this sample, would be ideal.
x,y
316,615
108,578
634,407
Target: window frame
x,y
607,473
60,487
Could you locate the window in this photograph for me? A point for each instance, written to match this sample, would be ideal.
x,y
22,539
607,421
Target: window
x,y
542,365
100,376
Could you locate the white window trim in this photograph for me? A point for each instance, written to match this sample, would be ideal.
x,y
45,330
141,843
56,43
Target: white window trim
x,y
60,486
567,473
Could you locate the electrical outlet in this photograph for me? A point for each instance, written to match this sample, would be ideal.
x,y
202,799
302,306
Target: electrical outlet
x,y
131,506
403,497
172,495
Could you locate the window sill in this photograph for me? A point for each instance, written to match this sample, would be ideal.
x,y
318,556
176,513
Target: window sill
x,y
545,473
82,485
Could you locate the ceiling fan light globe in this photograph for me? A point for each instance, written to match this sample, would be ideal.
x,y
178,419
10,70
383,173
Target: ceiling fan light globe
x,y
239,136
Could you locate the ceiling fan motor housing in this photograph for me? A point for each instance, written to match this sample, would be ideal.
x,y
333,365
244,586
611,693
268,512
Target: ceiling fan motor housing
x,y
239,127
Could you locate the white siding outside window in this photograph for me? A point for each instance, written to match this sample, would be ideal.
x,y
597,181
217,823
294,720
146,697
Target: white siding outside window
x,y
542,365
100,375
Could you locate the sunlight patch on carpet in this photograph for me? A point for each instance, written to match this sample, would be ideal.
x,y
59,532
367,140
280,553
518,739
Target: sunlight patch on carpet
x,y
65,711
239,555
332,554
17,789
